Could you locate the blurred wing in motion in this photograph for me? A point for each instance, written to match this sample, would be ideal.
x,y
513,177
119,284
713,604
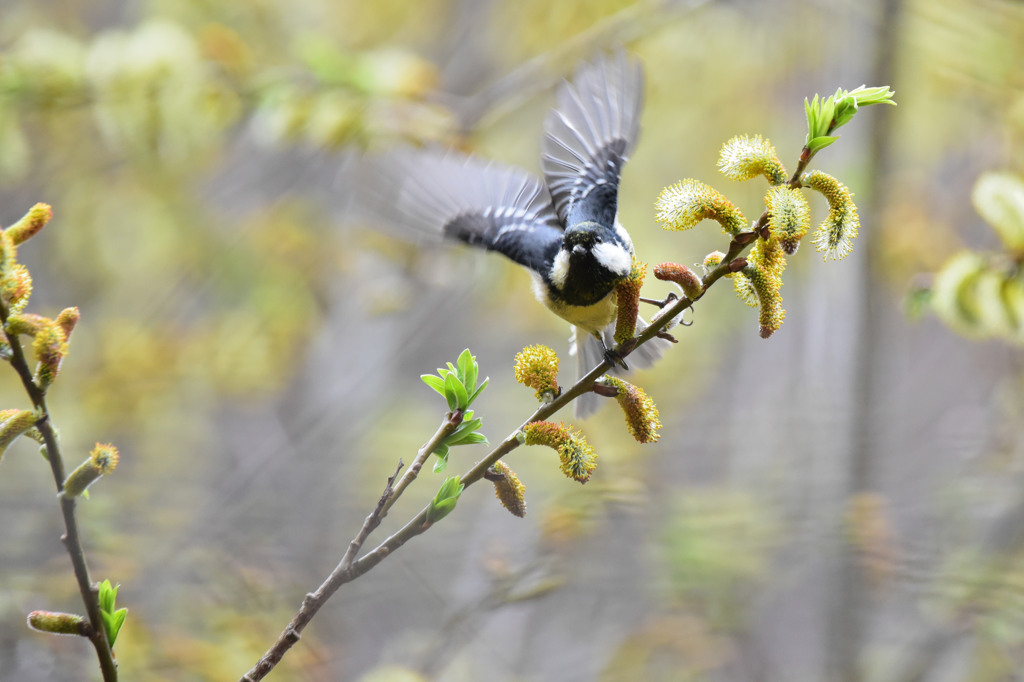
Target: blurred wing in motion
x,y
589,136
446,194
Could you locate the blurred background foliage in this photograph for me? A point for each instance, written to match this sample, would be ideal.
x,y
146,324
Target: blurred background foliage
x,y
812,511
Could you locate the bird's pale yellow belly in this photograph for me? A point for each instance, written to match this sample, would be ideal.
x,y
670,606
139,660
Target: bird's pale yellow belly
x,y
591,318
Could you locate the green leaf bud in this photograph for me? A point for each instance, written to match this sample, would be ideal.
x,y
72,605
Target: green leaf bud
x,y
826,115
455,392
458,384
434,381
107,595
445,499
865,96
820,142
112,619
466,433
468,370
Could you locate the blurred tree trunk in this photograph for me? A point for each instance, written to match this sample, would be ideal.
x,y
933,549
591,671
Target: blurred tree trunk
x,y
848,604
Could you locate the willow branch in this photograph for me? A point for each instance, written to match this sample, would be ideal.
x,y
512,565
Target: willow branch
x,y
315,600
351,568
72,540
451,422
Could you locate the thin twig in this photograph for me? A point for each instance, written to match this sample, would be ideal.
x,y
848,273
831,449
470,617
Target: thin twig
x,y
315,600
71,538
451,422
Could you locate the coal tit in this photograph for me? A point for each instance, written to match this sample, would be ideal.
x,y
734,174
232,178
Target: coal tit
x,y
564,229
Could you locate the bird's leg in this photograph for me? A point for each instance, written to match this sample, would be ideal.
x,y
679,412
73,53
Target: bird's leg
x,y
612,356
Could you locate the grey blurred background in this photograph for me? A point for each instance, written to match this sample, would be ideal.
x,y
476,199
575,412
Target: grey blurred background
x,y
840,502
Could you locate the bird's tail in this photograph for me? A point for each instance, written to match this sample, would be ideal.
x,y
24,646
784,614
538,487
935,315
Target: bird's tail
x,y
590,353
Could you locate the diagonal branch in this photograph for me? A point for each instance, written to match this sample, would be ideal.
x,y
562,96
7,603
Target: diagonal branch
x,y
451,422
338,577
351,568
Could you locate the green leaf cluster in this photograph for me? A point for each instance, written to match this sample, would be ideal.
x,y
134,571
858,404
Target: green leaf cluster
x,y
445,499
113,618
825,115
458,383
465,434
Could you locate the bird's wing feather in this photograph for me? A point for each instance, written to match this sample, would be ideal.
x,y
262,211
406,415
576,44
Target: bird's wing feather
x,y
450,195
589,135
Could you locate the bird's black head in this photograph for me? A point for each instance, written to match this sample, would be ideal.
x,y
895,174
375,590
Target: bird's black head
x,y
590,262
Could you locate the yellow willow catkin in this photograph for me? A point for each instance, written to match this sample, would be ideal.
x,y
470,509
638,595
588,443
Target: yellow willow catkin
x,y
769,300
686,278
836,233
789,217
640,411
744,157
628,301
509,489
30,225
536,367
682,205
578,460
102,461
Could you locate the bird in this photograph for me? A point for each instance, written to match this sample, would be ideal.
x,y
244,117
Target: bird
x,y
563,228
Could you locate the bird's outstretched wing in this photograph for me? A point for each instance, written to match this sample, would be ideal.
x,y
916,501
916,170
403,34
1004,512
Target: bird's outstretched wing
x,y
588,137
450,195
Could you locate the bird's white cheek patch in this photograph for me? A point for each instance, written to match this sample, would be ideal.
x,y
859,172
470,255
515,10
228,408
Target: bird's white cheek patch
x,y
560,268
614,257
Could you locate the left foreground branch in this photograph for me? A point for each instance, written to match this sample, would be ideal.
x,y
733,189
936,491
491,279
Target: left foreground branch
x,y
72,538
